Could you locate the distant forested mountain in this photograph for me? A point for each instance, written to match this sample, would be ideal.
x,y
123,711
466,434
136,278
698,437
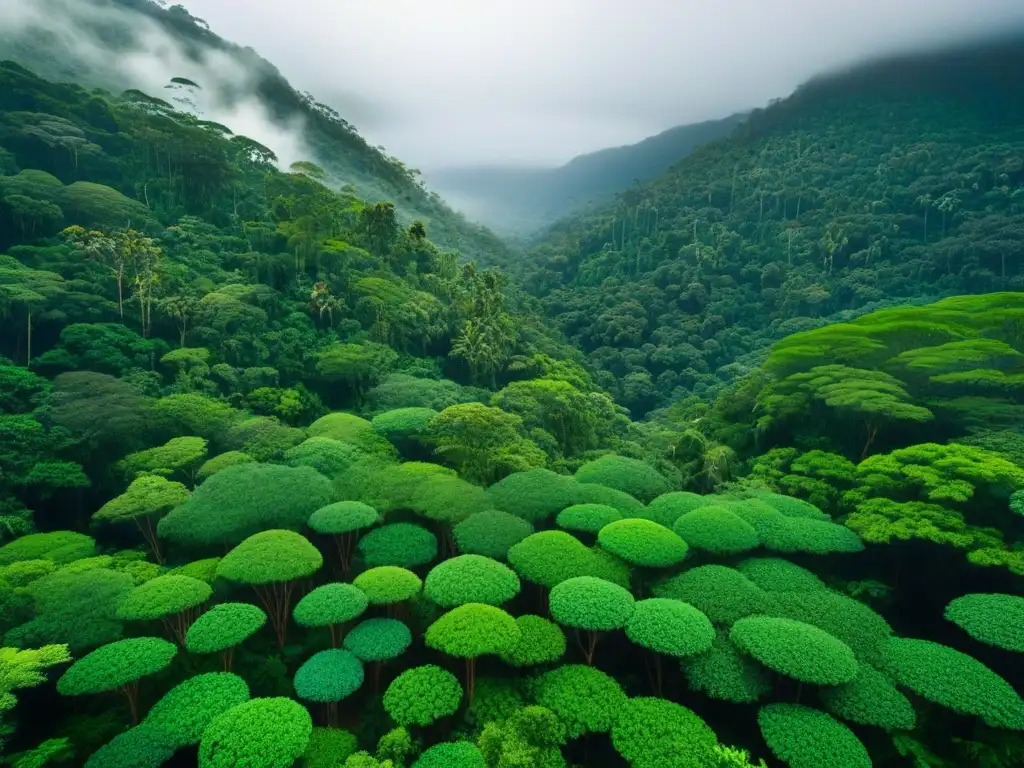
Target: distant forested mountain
x,y
520,201
895,182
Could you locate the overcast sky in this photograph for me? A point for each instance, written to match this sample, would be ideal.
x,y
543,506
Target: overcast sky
x,y
456,82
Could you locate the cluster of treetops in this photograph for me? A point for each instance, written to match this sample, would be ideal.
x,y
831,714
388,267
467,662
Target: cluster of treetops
x,y
898,183
283,483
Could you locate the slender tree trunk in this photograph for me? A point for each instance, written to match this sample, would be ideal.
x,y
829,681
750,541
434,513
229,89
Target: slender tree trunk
x,y
28,342
131,693
145,525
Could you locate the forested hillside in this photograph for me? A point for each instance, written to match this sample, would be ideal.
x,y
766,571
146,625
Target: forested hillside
x,y
522,201
285,484
169,54
898,182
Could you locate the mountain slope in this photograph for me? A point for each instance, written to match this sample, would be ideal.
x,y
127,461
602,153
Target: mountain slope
x,y
138,44
895,182
520,201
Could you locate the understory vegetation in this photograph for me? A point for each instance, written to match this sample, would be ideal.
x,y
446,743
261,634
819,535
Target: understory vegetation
x,y
285,483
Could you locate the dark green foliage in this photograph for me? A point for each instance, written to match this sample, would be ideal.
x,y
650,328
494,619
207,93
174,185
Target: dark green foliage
x,y
540,642
534,495
180,717
585,699
378,639
655,733
550,557
642,542
263,733
491,533
795,649
224,626
954,680
403,424
138,747
244,499
328,676
329,747
459,754
994,619
722,594
870,699
471,579
716,530
724,672
588,518
399,544
671,627
529,735
630,476
590,603
806,738
421,695
388,584
328,457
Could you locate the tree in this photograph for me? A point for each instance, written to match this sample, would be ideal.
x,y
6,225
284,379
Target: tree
x,y
184,712
271,562
669,627
471,579
593,605
329,747
352,430
342,520
954,680
388,585
58,547
864,631
723,594
773,574
716,530
331,606
262,733
540,642
992,619
669,507
643,543
587,518
490,533
118,666
585,699
806,738
221,461
173,599
138,747
422,695
624,474
651,733
398,544
870,699
144,503
359,366
223,627
178,455
548,558
725,673
472,630
534,495
328,677
532,735
795,649
456,754
24,669
484,444
376,641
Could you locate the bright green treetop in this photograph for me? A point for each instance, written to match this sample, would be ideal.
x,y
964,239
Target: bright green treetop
x,y
849,620
795,649
540,642
550,557
261,733
491,533
343,517
388,584
270,556
870,699
793,507
446,500
472,630
421,695
799,534
643,543
955,680
245,499
586,602
179,455
224,626
378,639
328,676
24,669
457,754
669,507
403,424
181,716
723,672
720,593
163,596
471,579
773,574
806,738
669,626
330,458
116,664
353,430
655,733
221,461
631,476
147,495
994,619
399,544
56,546
585,699
330,604
716,530
588,518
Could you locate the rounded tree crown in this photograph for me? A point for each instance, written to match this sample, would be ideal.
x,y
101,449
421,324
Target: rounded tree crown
x,y
589,603
388,584
725,673
669,507
670,627
795,649
490,533
330,604
116,664
329,676
343,517
806,738
471,579
540,642
655,733
378,639
421,695
271,556
720,593
870,699
643,543
472,630
262,733
588,518
585,699
716,530
163,596
632,476
993,619
457,754
398,544
224,626
183,713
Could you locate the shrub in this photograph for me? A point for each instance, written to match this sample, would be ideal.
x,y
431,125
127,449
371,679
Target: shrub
x,y
792,507
491,533
471,579
631,476
796,649
643,543
806,738
329,747
328,457
421,695
993,619
138,747
350,429
400,544
655,733
540,642
847,619
720,593
592,493
262,733
458,754
799,534
221,461
716,530
588,518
